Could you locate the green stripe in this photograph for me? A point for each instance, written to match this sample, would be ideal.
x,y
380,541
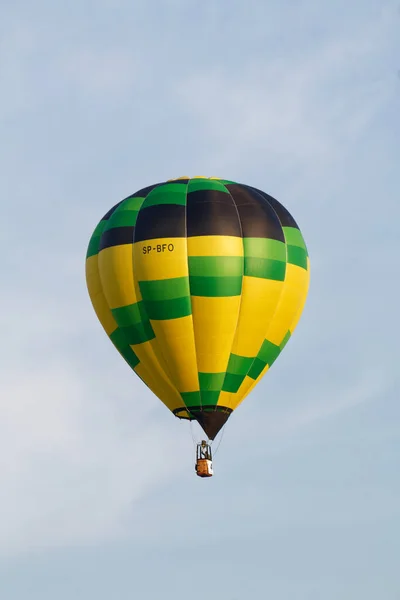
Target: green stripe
x,y
134,323
264,268
100,227
94,242
139,333
134,203
126,214
232,382
93,247
239,365
206,184
256,368
191,398
122,218
215,286
169,309
118,338
210,398
120,342
285,340
130,315
293,237
268,352
214,266
169,193
227,182
297,256
267,355
211,381
164,289
264,248
130,357
201,399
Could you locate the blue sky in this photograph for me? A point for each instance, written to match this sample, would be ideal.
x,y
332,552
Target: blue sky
x,y
98,496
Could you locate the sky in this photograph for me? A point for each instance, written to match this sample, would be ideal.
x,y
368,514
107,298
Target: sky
x,y
98,495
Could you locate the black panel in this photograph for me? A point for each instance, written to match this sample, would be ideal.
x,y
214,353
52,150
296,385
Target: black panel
x,y
211,420
284,215
116,236
161,221
210,212
257,217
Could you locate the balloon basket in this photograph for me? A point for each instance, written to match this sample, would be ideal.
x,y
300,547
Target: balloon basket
x,y
204,466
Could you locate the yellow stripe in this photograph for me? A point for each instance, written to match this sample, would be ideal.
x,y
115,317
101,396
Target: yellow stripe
x,y
120,289
214,321
214,318
215,245
174,337
302,299
286,318
91,266
160,387
103,313
259,300
166,264
247,386
116,274
226,399
258,304
97,297
176,342
294,289
150,355
154,378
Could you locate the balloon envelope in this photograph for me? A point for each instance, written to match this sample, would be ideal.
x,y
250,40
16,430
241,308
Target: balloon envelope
x,y
199,283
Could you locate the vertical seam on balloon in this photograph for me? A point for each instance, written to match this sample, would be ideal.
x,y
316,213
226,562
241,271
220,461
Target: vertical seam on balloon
x,y
190,295
105,298
286,247
241,289
158,364
281,293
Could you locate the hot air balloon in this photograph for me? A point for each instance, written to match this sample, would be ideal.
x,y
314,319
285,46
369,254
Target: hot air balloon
x,y
199,284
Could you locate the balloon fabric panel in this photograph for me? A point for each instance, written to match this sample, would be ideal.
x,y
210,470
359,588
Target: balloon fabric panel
x,y
199,283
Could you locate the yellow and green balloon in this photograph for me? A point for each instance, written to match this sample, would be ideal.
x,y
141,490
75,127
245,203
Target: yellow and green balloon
x,y
199,283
